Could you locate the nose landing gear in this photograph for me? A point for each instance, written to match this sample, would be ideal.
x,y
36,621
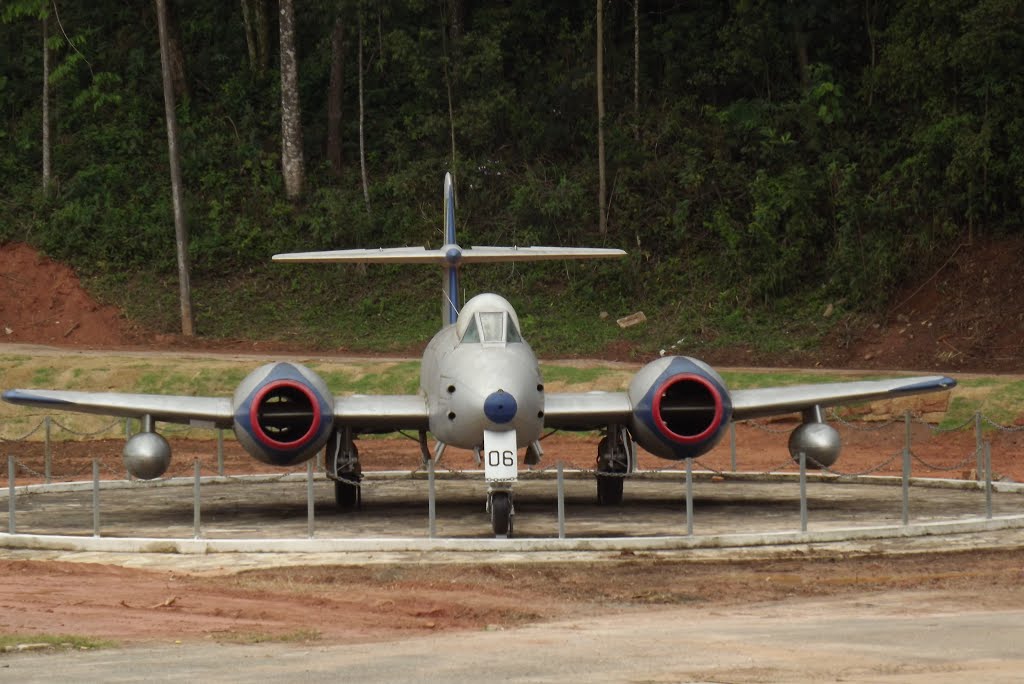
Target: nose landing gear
x,y
499,503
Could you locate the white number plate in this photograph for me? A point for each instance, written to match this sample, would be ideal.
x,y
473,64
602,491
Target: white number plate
x,y
500,455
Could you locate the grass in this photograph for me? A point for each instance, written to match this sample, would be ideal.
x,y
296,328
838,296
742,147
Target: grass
x,y
298,636
11,642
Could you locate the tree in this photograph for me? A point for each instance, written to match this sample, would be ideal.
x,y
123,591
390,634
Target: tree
x,y
180,226
602,197
362,132
293,165
334,91
39,10
257,35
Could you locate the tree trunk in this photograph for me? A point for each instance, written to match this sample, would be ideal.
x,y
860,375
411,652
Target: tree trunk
x,y
334,91
293,166
257,35
602,179
636,70
180,227
175,53
362,136
46,109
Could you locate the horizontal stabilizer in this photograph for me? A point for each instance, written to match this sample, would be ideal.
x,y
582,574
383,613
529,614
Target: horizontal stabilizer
x,y
450,256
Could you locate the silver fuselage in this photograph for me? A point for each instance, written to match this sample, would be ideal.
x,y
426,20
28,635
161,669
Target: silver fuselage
x,y
457,377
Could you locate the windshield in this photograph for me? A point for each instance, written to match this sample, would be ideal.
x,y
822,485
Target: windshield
x,y
491,327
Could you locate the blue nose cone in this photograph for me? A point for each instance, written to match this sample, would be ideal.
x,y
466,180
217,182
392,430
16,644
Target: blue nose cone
x,y
500,407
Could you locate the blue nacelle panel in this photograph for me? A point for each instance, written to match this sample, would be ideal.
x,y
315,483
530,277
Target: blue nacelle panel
x,y
284,413
681,407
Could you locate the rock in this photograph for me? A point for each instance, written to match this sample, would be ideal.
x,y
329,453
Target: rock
x,y
632,319
603,315
828,310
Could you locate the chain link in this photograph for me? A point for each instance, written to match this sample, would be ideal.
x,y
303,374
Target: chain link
x,y
25,436
866,428
1002,428
78,433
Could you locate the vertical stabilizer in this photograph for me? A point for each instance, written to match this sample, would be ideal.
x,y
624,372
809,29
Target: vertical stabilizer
x,y
450,303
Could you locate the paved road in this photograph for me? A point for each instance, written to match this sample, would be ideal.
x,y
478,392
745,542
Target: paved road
x,y
892,637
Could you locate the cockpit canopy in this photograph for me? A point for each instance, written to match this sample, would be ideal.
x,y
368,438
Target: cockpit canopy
x,y
488,319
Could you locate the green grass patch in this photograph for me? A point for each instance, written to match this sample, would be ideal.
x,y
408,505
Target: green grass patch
x,y
572,375
11,642
299,636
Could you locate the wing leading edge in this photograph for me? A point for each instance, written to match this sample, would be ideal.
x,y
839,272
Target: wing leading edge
x,y
381,413
164,408
594,410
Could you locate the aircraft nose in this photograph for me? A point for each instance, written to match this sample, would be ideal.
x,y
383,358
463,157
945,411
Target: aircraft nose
x,y
500,407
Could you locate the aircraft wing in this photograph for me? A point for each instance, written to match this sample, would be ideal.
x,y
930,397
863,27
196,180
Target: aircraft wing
x,y
593,410
773,401
586,410
165,408
381,413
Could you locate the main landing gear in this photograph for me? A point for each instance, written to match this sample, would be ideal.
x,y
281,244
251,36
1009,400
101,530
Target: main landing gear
x,y
616,459
342,465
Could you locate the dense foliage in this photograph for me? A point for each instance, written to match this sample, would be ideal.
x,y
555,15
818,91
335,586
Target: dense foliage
x,y
779,152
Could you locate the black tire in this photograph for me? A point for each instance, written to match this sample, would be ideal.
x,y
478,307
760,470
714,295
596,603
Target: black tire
x,y
609,490
346,496
501,514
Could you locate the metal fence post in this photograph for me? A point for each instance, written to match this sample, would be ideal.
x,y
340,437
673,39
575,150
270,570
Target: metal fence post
x,y
196,508
220,451
988,480
310,512
905,515
689,497
431,500
803,492
47,456
12,527
978,445
732,446
561,503
95,497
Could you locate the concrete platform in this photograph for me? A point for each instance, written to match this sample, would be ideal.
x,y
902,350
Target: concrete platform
x,y
260,514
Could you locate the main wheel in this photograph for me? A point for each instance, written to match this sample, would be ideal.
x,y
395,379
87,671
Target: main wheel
x,y
501,514
346,495
609,489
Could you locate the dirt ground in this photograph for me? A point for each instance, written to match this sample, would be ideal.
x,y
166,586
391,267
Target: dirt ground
x,y
967,316
339,604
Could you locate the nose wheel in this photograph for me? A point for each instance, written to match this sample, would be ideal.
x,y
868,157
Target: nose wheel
x,y
500,505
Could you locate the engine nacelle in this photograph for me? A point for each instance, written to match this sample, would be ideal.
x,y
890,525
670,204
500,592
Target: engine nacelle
x,y
146,455
820,443
284,413
680,407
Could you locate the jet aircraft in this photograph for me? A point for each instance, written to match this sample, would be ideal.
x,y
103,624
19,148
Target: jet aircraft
x,y
480,389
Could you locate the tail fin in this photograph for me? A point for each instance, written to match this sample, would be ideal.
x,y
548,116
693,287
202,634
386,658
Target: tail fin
x,y
450,257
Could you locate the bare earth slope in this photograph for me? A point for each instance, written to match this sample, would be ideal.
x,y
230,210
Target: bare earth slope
x,y
967,316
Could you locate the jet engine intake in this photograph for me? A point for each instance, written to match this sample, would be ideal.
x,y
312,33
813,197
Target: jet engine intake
x,y
284,413
680,407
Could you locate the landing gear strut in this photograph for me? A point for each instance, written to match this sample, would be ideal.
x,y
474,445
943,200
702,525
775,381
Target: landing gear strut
x,y
342,464
499,502
615,460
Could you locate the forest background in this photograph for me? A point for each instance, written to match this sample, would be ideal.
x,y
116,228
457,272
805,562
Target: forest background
x,y
770,166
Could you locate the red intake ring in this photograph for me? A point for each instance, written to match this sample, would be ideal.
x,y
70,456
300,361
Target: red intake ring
x,y
257,403
708,387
